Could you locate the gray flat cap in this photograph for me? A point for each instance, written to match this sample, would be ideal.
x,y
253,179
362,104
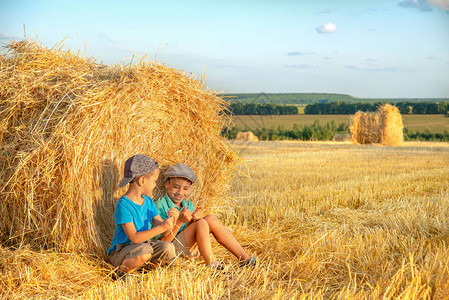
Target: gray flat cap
x,y
137,165
180,170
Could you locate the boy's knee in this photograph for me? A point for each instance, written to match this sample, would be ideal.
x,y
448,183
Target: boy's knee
x,y
202,223
167,250
136,261
143,258
213,221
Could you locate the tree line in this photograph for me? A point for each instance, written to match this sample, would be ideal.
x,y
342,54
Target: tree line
x,y
336,108
262,109
290,98
405,107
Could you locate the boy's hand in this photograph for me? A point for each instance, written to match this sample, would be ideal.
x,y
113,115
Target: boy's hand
x,y
169,223
197,213
185,215
173,212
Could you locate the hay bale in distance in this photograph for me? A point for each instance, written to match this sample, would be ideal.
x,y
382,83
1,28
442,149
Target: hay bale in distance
x,y
384,126
68,124
246,136
342,137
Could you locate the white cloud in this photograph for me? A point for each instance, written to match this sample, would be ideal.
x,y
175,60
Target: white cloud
x,y
299,53
303,66
327,28
104,37
418,4
5,36
371,68
443,4
425,5
325,11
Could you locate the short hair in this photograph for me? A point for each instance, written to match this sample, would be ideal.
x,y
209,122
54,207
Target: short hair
x,y
144,175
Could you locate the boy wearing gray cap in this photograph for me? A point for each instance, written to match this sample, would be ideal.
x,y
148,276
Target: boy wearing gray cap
x,y
191,231
135,213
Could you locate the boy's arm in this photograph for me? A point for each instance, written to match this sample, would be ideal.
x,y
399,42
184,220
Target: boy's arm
x,y
184,216
142,236
170,235
157,220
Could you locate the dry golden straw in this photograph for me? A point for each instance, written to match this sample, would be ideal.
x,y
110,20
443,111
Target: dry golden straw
x,y
67,125
246,136
384,126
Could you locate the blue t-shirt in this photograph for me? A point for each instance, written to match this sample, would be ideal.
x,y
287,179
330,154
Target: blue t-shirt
x,y
127,211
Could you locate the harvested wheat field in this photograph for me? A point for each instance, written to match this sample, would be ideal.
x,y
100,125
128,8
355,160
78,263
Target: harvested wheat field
x,y
326,220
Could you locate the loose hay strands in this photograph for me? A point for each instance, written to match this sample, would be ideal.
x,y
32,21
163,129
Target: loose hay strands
x,y
384,127
28,274
67,125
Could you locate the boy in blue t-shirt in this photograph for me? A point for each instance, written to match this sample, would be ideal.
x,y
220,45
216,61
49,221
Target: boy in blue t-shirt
x,y
135,213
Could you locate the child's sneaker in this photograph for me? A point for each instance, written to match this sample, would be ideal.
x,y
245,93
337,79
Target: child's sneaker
x,y
215,265
220,270
119,275
248,263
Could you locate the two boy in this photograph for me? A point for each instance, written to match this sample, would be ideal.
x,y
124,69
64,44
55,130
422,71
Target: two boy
x,y
182,229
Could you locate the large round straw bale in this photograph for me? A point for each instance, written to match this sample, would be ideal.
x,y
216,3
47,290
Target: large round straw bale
x,y
392,130
384,126
68,124
246,136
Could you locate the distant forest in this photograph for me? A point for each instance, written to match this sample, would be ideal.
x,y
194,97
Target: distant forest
x,y
336,108
310,98
405,107
262,109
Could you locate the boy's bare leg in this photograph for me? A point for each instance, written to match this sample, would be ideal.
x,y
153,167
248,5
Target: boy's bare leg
x,y
224,237
132,263
198,232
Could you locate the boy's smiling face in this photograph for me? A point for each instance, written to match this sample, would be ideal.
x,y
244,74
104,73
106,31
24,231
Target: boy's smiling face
x,y
178,189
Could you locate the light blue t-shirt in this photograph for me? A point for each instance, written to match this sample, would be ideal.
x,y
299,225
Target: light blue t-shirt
x,y
127,211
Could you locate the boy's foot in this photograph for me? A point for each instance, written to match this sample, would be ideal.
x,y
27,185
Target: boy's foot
x,y
248,263
119,275
215,265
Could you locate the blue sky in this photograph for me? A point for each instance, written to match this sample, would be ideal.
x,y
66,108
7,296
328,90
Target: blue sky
x,y
364,48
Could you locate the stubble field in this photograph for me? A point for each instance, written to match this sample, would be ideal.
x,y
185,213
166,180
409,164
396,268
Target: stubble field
x,y
326,220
